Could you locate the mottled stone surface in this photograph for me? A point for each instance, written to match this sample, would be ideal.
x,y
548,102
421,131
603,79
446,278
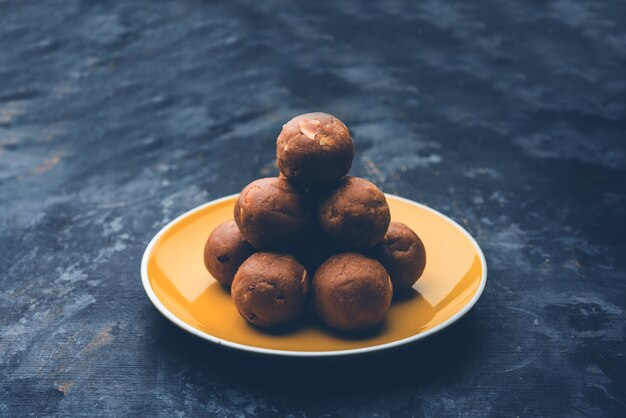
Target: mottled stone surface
x,y
117,116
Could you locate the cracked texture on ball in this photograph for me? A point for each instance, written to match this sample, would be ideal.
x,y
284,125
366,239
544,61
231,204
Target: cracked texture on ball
x,y
314,149
271,213
351,292
355,215
270,289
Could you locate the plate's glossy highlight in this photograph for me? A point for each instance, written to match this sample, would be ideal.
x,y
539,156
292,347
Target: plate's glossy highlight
x,y
178,284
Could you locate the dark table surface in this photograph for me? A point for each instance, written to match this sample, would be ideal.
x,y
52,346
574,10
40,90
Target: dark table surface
x,y
116,117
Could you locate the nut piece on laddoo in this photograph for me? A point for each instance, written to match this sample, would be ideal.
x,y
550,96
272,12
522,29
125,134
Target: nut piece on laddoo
x,y
403,254
270,289
225,250
271,213
355,215
351,292
314,149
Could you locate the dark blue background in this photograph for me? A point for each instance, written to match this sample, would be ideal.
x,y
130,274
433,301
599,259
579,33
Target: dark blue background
x,y
508,116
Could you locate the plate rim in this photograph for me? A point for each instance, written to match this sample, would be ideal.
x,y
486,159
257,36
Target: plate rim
x,y
259,350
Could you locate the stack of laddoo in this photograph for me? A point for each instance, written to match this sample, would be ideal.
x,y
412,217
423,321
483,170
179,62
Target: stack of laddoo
x,y
314,234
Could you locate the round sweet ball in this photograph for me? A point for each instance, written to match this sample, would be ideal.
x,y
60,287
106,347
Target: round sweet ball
x,y
225,250
355,215
403,254
314,149
271,213
351,292
270,289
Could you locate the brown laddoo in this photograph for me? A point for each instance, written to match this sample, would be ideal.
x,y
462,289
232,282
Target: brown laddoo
x,y
351,292
314,149
271,213
225,250
270,289
403,254
355,215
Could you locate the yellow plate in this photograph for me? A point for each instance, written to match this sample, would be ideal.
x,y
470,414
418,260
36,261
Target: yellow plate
x,y
178,284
